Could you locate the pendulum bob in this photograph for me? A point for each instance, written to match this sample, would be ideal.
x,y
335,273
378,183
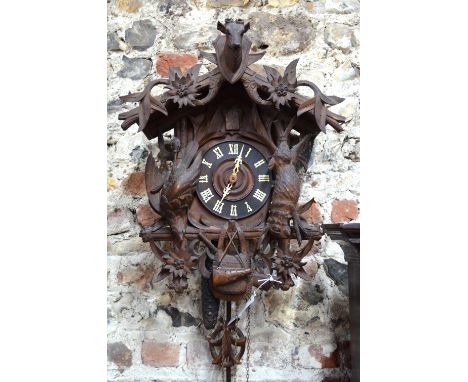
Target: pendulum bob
x,y
210,304
230,281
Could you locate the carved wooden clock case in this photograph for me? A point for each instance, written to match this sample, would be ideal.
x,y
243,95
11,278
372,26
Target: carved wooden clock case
x,y
227,185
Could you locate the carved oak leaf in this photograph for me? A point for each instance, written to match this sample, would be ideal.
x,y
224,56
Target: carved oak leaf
x,y
183,88
147,105
281,88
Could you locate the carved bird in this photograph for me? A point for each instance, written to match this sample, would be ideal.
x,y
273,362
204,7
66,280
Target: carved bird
x,y
287,187
171,194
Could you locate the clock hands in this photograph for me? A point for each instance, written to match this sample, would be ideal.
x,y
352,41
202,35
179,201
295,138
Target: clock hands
x,y
237,165
233,177
226,191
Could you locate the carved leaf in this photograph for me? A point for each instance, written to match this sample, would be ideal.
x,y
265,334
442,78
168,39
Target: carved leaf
x,y
209,56
163,273
134,97
174,74
272,74
290,72
331,100
319,109
154,181
306,106
160,254
193,72
254,57
144,112
303,275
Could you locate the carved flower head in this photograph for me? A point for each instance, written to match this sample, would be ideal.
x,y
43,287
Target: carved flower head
x,y
178,264
281,88
182,88
286,266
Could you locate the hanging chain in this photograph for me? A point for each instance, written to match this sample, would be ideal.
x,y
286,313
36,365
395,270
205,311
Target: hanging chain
x,y
247,359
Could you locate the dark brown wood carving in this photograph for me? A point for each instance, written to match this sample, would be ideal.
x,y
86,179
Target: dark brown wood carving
x,y
226,185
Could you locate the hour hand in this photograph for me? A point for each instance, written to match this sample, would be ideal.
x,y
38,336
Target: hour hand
x,y
226,191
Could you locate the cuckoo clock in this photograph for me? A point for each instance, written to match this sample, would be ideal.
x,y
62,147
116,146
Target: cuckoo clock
x,y
227,184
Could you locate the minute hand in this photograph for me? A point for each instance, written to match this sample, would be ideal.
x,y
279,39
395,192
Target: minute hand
x,y
238,162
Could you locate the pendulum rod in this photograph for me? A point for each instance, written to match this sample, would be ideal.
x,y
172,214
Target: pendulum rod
x,y
228,318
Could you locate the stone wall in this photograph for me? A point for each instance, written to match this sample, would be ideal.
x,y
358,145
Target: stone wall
x,y
298,335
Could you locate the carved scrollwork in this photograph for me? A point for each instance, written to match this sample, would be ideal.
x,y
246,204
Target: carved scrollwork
x,y
214,84
251,87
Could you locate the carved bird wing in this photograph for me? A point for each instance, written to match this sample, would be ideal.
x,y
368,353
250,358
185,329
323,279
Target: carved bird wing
x,y
154,181
305,207
178,188
298,149
188,169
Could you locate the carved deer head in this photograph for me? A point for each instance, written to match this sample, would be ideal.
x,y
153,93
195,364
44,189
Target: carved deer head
x,y
234,31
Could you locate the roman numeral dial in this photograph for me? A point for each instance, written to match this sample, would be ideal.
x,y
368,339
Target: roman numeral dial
x,y
234,180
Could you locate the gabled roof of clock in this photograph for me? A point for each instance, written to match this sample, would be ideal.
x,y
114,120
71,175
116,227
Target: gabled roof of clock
x,y
190,94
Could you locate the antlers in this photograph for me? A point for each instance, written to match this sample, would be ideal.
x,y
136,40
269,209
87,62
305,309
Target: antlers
x,y
224,29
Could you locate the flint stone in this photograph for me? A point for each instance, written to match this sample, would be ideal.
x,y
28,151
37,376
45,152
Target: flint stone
x,y
129,246
339,36
179,318
119,220
112,41
139,153
342,6
352,149
311,294
226,3
130,6
113,105
176,7
282,3
195,40
338,272
141,35
135,68
119,354
282,35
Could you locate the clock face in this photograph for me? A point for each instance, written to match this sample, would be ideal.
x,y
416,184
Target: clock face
x,y
234,180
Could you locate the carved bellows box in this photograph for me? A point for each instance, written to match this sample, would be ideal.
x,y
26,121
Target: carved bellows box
x,y
227,184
